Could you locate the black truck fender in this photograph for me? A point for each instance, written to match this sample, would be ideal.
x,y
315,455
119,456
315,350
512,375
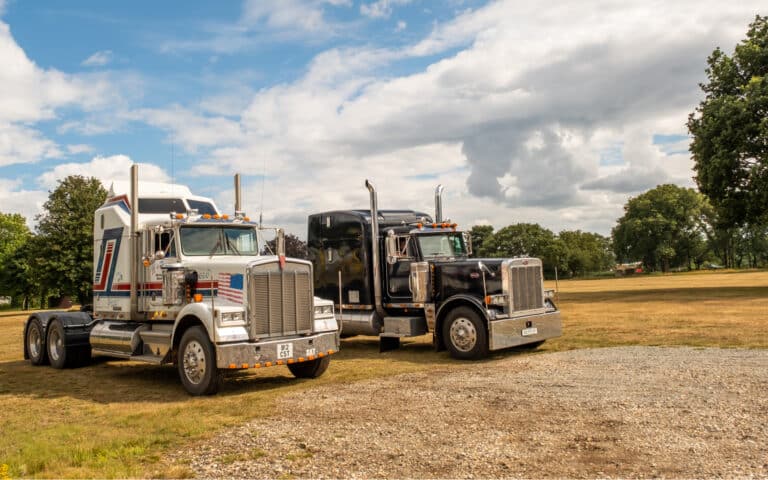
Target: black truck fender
x,y
77,327
449,304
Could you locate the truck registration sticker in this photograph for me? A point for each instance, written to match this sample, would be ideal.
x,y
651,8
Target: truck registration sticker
x,y
311,352
284,350
530,331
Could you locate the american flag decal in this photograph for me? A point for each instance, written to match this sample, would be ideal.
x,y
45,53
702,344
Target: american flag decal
x,y
231,286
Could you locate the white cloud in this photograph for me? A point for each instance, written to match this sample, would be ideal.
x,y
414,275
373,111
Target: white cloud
x,y
98,59
19,144
380,8
401,25
514,122
79,148
106,169
30,94
15,199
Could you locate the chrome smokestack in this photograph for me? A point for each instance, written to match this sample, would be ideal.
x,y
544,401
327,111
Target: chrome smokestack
x,y
238,195
136,255
438,204
375,249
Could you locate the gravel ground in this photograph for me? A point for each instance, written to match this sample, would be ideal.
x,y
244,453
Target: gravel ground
x,y
617,412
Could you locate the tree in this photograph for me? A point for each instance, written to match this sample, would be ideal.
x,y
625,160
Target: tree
x,y
730,130
586,252
479,235
294,247
66,232
526,239
13,234
663,227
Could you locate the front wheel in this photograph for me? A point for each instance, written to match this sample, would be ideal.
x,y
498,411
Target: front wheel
x,y
197,363
311,369
465,335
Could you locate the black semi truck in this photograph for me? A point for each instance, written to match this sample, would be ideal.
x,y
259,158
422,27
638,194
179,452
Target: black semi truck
x,y
401,273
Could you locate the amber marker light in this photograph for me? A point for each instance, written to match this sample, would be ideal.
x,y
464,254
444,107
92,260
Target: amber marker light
x,y
207,216
247,219
232,365
198,297
179,216
225,217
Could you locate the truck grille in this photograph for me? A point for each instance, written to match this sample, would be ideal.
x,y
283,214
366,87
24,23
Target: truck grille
x,y
525,283
280,301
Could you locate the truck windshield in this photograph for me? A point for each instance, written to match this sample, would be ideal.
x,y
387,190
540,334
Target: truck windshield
x,y
442,245
199,241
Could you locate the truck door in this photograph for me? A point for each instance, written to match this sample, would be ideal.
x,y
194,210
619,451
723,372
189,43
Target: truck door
x,y
151,284
401,253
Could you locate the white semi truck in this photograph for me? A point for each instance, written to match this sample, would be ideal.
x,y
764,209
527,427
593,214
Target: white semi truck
x,y
177,282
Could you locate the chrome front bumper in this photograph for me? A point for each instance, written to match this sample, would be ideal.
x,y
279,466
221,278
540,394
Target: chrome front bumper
x,y
509,332
276,352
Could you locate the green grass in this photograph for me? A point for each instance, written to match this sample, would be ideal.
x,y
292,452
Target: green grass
x,y
117,419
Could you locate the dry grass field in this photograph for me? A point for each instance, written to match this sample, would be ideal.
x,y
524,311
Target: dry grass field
x,y
117,419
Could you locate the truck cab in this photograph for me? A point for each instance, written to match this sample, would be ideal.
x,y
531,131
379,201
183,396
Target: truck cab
x,y
401,273
178,282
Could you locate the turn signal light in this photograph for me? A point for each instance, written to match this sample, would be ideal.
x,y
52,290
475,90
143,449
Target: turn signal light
x,y
198,297
179,216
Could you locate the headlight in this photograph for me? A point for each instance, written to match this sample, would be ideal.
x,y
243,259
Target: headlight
x,y
230,317
500,300
324,310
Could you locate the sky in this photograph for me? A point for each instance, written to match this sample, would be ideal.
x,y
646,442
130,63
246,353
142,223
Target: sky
x,y
553,114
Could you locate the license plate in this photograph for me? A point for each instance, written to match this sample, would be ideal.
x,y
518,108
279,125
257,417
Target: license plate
x,y
284,350
527,332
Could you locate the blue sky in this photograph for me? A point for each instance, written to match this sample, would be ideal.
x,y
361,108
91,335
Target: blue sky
x,y
554,115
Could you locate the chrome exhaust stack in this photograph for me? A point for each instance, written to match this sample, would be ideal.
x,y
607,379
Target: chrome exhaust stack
x,y
439,204
238,195
134,244
375,249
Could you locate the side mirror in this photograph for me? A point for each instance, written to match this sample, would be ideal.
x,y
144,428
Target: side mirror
x,y
391,243
468,242
280,243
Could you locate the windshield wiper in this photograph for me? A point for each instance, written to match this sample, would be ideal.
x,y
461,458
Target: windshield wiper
x,y
215,248
231,245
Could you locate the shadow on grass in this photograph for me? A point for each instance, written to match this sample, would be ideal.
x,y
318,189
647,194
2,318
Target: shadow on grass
x,y
107,380
667,294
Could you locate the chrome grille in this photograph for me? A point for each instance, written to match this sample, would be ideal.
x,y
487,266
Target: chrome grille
x,y
280,301
523,281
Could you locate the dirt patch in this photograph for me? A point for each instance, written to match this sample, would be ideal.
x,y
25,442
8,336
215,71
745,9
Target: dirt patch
x,y
625,412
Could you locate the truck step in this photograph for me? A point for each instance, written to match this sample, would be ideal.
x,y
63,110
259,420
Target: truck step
x,y
398,327
154,359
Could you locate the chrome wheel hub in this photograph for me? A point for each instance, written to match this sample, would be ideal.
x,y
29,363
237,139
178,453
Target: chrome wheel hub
x,y
463,334
55,345
194,362
34,343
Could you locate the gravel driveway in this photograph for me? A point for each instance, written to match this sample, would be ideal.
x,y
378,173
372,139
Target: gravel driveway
x,y
617,412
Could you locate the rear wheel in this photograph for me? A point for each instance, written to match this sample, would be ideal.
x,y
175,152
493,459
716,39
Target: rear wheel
x,y
57,345
310,369
197,363
464,334
35,344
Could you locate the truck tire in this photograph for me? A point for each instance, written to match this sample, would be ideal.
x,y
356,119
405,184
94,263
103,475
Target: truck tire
x,y
35,343
465,335
197,363
310,369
